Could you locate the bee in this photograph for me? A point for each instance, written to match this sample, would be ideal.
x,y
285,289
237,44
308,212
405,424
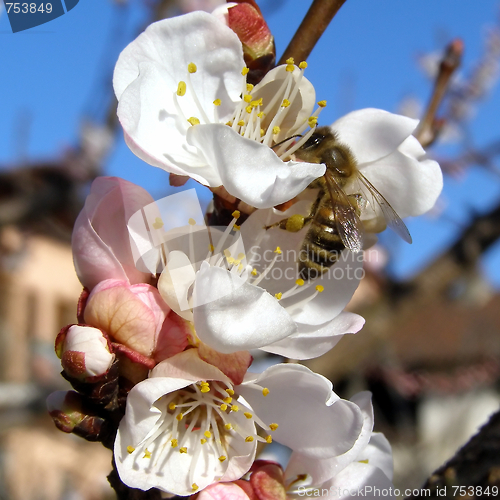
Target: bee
x,y
334,216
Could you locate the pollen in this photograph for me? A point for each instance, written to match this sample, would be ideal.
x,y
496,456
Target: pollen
x,y
203,440
285,103
247,98
130,449
262,131
249,109
363,461
228,426
183,450
300,282
260,115
254,272
276,130
248,414
248,439
241,123
192,68
228,399
303,65
194,486
236,214
193,120
244,71
235,408
172,406
205,389
217,102
312,120
278,295
211,248
320,288
322,104
265,391
223,406
249,87
273,427
181,89
290,60
236,228
269,439
207,434
222,458
278,251
290,68
230,392
179,417
174,443
147,453
192,222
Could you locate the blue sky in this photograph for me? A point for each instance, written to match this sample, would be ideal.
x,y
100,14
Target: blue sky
x,y
58,73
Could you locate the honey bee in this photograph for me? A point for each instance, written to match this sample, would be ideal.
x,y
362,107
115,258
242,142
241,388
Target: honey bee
x,y
334,216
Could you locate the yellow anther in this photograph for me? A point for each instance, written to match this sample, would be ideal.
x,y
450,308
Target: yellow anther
x,y
207,434
235,408
228,399
192,222
236,228
236,262
322,104
229,123
147,453
174,443
203,440
320,288
248,414
254,272
269,439
262,132
181,89
247,98
249,87
230,392
241,123
260,114
303,65
230,260
249,109
273,427
192,68
193,120
285,103
223,406
278,295
244,71
278,251
299,282
227,253
312,120
236,214
158,223
241,256
363,461
194,486
217,102
276,130
179,417
228,427
130,449
183,450
290,68
172,406
290,60
205,388
265,391
222,458
211,248
248,439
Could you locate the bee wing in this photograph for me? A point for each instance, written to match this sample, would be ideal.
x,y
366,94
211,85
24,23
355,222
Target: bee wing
x,y
392,219
348,224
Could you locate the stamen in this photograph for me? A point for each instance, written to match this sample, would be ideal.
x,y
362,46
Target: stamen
x,y
181,89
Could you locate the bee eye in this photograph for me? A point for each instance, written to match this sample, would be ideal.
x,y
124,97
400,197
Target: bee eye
x,y
313,141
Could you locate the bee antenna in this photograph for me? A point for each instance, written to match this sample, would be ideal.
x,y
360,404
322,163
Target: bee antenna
x,y
287,139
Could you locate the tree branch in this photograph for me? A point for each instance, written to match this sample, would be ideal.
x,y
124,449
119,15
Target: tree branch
x,y
315,22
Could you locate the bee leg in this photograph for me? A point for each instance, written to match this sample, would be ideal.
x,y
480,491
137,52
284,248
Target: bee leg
x,y
292,224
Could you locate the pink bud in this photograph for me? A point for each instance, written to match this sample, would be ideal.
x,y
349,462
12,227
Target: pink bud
x,y
84,352
101,244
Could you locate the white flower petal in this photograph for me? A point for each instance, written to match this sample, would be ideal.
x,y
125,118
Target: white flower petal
x,y
249,170
311,341
373,133
379,453
311,418
234,315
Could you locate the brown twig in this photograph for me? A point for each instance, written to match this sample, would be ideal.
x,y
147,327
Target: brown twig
x,y
429,126
315,22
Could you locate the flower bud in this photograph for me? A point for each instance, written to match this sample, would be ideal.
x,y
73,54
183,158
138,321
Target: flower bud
x,y
66,409
84,352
